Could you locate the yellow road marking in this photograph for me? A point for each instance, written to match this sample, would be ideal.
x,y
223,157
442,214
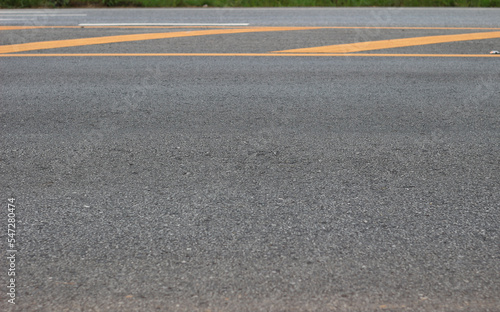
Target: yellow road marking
x,y
412,28
246,54
232,27
333,50
394,43
18,27
32,46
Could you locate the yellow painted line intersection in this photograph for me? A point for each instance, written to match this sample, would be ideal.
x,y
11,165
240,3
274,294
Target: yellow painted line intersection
x,y
43,45
347,49
247,54
395,43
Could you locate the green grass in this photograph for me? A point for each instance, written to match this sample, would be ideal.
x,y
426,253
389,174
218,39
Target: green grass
x,y
246,3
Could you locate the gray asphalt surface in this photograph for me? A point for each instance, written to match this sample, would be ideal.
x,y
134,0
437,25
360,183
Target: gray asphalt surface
x,y
427,17
253,183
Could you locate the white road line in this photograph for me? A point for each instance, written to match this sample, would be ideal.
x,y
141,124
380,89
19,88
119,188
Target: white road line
x,y
51,15
22,12
166,24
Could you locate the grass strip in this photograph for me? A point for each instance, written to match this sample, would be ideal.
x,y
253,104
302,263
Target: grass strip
x,y
245,3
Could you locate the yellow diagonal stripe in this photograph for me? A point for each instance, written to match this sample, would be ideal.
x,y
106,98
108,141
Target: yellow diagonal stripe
x,y
394,43
32,46
245,54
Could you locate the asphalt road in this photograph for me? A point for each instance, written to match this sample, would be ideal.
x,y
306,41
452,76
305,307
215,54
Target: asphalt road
x,y
426,17
217,172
